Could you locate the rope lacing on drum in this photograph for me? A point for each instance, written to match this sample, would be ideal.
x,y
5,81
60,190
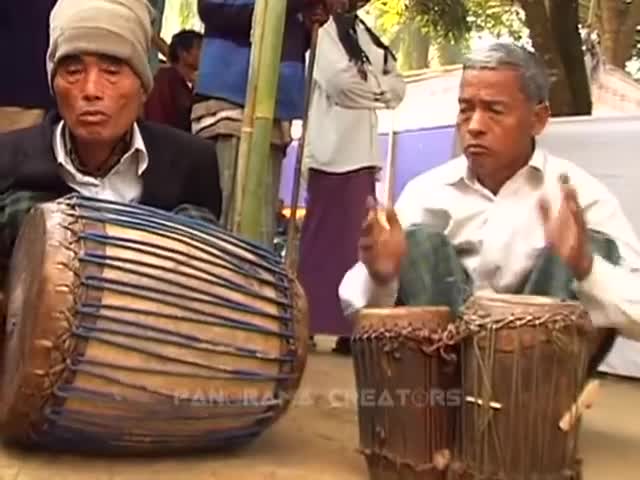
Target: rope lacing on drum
x,y
483,437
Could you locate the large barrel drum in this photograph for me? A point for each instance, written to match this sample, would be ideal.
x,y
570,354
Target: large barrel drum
x,y
134,330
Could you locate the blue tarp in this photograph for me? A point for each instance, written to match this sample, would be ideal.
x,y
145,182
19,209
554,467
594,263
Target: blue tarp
x,y
416,151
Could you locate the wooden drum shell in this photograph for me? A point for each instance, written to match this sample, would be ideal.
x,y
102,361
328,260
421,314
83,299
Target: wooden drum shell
x,y
408,389
524,364
132,330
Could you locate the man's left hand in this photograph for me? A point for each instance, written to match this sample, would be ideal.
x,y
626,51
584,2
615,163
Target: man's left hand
x,y
566,232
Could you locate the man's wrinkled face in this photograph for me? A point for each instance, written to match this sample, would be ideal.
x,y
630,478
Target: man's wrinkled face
x,y
99,97
496,121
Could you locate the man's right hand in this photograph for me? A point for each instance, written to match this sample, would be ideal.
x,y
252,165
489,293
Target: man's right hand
x,y
382,244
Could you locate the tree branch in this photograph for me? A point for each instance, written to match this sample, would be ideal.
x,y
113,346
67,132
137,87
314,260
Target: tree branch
x,y
542,38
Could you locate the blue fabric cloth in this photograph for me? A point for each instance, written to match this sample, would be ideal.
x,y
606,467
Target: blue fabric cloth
x,y
226,51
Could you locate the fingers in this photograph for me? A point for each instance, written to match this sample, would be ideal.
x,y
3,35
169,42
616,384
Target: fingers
x,y
370,220
544,207
571,202
392,219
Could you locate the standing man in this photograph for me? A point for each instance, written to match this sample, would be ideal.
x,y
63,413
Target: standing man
x,y
24,37
506,215
355,76
221,89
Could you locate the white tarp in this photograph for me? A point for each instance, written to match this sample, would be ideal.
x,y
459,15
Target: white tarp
x,y
608,148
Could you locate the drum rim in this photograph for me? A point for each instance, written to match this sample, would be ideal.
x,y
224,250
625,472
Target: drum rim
x,y
20,412
505,299
403,310
401,317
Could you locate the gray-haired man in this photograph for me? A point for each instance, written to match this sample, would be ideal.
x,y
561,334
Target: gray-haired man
x,y
500,216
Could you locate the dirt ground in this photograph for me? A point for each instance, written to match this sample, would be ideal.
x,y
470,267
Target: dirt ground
x,y
318,438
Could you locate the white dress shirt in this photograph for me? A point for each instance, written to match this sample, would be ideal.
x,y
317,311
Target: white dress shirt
x,y
499,237
342,129
122,184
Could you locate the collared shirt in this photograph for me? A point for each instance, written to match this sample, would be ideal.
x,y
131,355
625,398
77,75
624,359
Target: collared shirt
x,y
123,183
499,237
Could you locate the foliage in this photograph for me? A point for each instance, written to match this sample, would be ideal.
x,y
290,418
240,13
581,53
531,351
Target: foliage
x,y
501,18
187,12
449,21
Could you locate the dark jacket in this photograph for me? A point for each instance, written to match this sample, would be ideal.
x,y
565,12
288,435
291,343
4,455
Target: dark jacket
x,y
183,169
24,39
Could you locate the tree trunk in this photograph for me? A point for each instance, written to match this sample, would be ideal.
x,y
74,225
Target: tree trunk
x,y
564,23
415,49
611,12
450,54
542,38
618,26
627,38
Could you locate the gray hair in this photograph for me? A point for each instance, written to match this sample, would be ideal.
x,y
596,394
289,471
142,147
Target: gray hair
x,y
535,81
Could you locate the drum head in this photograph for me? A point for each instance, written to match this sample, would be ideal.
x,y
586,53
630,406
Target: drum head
x,y
27,358
401,318
509,300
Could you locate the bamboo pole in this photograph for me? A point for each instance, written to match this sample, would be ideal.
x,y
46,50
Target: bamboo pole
x,y
291,258
391,163
246,134
251,223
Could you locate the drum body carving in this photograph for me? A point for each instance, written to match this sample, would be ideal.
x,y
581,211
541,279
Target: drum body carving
x,y
523,367
408,386
131,330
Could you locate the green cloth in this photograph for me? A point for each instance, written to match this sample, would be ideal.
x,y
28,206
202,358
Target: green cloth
x,y
432,273
14,206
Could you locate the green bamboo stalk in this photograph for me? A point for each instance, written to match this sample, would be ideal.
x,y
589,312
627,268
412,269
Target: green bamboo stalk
x,y
246,133
253,205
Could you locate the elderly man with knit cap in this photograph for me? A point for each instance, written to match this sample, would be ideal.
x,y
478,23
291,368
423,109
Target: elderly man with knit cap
x,y
93,143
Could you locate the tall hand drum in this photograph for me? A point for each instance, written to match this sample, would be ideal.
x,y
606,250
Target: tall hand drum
x,y
524,364
408,391
131,330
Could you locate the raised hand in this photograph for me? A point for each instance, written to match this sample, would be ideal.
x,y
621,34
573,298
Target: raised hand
x,y
566,232
382,244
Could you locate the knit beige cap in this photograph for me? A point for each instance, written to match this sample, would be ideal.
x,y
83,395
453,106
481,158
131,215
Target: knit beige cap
x,y
118,28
